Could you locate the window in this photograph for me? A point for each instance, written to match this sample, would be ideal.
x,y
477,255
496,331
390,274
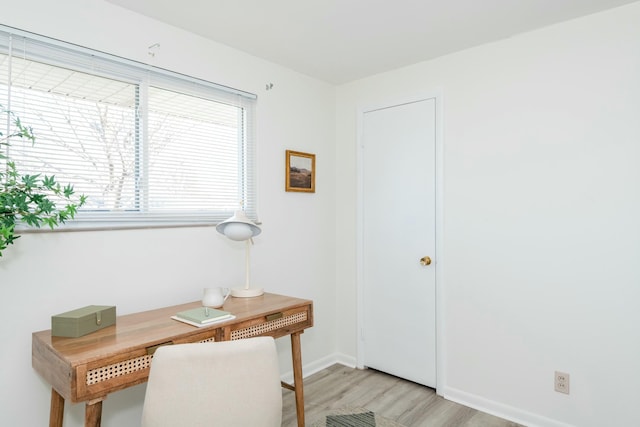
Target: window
x,y
145,145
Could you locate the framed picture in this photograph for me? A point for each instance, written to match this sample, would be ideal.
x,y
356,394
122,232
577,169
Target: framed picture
x,y
300,172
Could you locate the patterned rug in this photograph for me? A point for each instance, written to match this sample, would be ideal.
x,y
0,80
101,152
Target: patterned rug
x,y
353,417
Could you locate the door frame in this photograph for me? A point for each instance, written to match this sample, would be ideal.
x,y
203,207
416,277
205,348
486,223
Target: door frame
x,y
439,207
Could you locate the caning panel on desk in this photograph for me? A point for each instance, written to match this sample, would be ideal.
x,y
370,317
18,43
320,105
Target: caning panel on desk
x,y
125,367
262,328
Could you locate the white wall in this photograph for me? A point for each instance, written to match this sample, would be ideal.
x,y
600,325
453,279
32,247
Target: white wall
x,y
48,273
541,209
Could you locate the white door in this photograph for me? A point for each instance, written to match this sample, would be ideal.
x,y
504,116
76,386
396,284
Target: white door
x,y
398,230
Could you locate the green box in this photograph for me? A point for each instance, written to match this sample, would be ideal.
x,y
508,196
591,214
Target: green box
x,y
83,321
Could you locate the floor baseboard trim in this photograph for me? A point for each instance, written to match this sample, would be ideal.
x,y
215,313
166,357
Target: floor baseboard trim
x,y
499,409
320,364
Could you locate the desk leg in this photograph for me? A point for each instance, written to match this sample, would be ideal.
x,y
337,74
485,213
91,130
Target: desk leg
x,y
56,411
93,413
296,354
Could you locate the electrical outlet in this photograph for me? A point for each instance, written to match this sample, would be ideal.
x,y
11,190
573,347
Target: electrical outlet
x,y
561,383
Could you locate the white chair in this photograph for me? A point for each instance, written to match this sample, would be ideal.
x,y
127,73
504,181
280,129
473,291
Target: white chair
x,y
226,384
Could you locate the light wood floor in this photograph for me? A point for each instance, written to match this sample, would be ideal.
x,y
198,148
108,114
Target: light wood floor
x,y
405,402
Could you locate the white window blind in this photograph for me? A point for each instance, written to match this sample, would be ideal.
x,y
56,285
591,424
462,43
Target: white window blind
x,y
146,146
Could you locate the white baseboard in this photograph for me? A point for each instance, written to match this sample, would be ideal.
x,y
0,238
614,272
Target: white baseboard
x,y
320,364
499,409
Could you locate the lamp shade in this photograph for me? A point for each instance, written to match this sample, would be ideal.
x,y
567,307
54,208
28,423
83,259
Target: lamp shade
x,y
238,227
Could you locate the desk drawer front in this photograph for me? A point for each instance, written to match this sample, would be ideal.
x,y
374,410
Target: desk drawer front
x,y
123,368
126,367
287,320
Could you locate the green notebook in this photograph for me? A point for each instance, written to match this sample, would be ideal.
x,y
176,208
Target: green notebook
x,y
203,315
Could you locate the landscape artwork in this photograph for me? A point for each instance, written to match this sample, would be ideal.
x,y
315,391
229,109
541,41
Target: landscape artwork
x,y
300,172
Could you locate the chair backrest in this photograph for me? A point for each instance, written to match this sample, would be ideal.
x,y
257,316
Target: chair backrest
x,y
227,384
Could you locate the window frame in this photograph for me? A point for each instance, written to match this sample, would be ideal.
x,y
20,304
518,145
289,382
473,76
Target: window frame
x,y
82,59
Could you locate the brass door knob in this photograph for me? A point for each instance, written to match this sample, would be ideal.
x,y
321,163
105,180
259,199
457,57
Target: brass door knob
x,y
425,260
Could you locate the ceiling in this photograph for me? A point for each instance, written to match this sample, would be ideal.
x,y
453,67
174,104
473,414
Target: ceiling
x,y
339,41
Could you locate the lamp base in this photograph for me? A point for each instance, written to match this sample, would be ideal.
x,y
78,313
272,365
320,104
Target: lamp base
x,y
246,293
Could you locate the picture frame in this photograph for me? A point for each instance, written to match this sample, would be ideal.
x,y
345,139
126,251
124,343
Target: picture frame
x,y
300,172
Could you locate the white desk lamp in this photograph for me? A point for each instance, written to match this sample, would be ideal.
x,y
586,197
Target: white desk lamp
x,y
240,228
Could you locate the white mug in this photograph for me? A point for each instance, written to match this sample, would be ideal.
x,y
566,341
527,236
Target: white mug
x,y
215,297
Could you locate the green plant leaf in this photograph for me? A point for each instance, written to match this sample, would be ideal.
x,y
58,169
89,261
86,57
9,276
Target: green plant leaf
x,y
70,211
49,181
32,219
52,222
68,191
45,205
30,181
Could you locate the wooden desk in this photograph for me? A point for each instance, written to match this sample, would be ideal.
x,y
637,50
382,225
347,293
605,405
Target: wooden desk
x,y
88,368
